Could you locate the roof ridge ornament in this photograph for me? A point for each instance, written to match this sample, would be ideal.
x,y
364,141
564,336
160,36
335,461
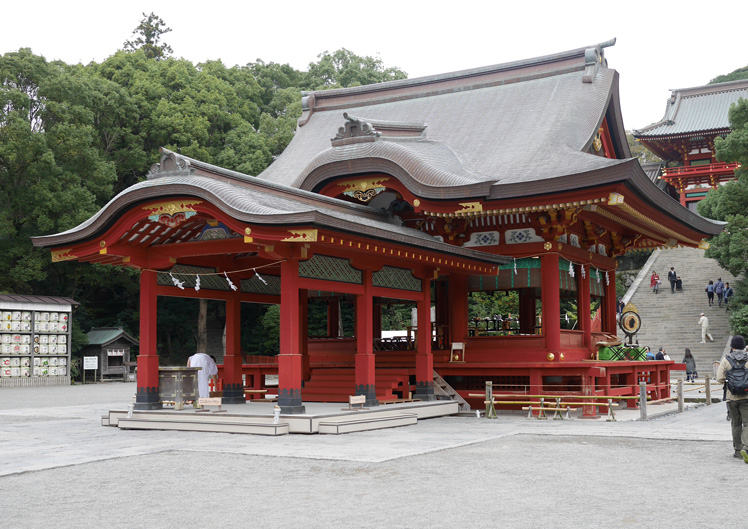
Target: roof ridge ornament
x,y
594,58
171,164
358,130
356,127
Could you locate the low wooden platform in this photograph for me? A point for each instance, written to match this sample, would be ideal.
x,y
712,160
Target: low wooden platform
x,y
257,418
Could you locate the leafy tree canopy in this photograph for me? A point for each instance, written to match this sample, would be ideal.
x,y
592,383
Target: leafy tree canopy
x,y
640,151
727,203
344,68
73,136
735,75
148,38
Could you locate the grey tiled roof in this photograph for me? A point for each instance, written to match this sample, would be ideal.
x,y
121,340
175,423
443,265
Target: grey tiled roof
x,y
251,200
106,335
699,109
22,298
520,125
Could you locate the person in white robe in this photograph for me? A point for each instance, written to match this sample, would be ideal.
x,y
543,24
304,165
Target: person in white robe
x,y
209,369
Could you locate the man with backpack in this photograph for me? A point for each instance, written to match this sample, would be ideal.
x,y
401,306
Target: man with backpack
x,y
732,371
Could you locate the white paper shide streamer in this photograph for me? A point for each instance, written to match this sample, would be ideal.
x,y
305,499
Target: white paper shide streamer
x,y
177,282
232,285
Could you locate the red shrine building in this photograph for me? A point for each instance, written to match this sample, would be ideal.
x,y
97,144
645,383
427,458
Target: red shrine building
x,y
684,138
514,179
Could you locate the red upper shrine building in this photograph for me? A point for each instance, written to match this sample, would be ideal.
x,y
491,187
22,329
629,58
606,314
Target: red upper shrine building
x,y
514,179
685,136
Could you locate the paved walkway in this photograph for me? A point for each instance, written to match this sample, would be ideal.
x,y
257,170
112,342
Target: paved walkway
x,y
59,466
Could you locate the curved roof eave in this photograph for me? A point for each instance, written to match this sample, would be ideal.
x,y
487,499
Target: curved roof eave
x,y
628,172
200,187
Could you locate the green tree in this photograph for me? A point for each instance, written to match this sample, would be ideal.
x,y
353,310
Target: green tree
x,y
148,37
727,204
73,136
640,151
735,75
344,68
53,175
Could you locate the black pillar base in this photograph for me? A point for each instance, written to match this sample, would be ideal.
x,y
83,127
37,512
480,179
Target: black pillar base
x,y
293,410
289,401
148,399
425,390
369,392
233,394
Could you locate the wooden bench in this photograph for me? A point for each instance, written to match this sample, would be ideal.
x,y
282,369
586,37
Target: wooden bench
x,y
398,401
255,393
211,401
354,400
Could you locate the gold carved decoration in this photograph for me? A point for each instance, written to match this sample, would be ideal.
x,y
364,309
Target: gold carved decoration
x,y
597,143
470,207
365,196
615,199
364,189
63,255
363,184
548,245
416,202
301,236
704,245
247,233
170,208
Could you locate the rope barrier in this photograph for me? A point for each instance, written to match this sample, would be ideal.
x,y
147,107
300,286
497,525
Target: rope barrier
x,y
190,274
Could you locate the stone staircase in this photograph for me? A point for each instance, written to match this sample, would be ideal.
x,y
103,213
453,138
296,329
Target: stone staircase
x,y
671,320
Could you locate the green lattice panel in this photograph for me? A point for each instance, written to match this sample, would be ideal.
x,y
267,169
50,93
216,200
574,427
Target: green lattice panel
x,y
330,269
253,285
209,280
399,278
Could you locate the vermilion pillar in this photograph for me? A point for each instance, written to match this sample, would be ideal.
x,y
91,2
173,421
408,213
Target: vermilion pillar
x,y
147,395
458,307
551,303
424,358
365,360
583,307
233,389
304,334
289,359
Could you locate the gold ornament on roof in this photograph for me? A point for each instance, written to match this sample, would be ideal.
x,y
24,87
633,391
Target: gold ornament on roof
x,y
63,255
172,207
301,236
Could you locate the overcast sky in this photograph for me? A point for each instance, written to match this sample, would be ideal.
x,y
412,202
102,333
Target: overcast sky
x,y
661,45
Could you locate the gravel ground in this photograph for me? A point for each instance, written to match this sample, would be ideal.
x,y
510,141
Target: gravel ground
x,y
518,481
676,471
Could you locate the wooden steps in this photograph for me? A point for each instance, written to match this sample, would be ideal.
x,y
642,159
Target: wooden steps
x,y
348,424
190,423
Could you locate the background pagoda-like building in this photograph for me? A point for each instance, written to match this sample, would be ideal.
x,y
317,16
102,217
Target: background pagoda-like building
x,y
694,118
